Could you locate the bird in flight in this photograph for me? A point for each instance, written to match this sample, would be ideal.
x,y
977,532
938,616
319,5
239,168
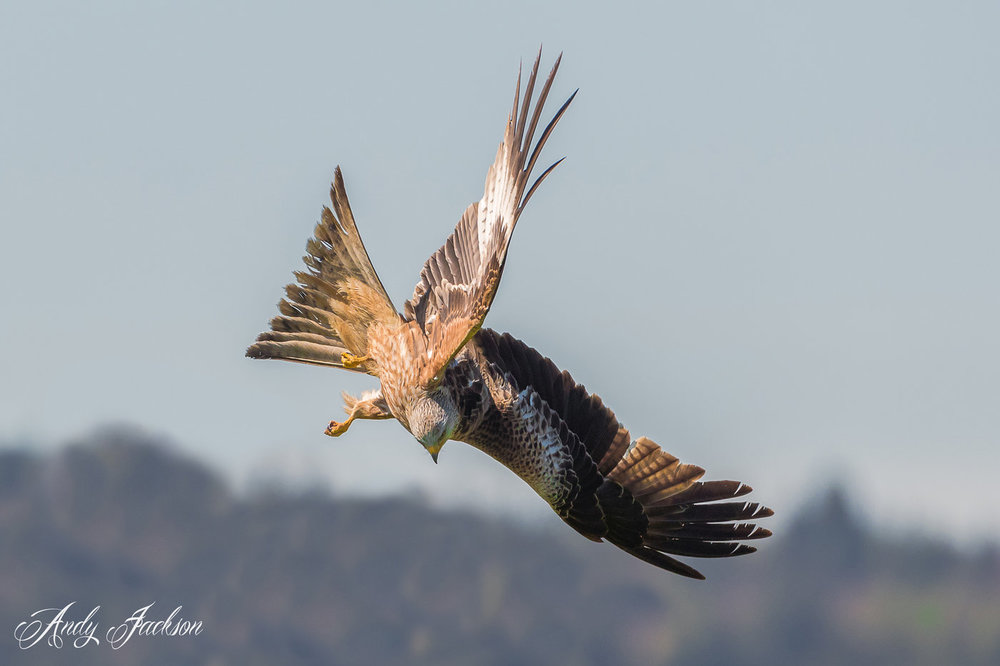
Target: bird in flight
x,y
443,376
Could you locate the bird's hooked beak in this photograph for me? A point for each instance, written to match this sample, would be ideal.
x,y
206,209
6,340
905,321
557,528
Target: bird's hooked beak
x,y
432,423
433,441
434,450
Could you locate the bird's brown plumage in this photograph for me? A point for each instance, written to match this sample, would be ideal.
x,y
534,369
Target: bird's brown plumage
x,y
444,377
332,308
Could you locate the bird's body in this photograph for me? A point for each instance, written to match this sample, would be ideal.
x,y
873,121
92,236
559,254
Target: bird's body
x,y
445,377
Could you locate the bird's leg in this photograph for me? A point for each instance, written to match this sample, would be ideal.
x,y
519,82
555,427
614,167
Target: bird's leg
x,y
338,428
351,361
371,405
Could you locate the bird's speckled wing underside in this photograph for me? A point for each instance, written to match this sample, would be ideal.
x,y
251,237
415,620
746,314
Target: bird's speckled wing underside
x,y
571,449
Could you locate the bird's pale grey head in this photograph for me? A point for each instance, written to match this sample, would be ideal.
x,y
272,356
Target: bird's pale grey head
x,y
433,419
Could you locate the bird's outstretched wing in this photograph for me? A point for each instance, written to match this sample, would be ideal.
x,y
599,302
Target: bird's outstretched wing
x,y
326,315
572,450
458,282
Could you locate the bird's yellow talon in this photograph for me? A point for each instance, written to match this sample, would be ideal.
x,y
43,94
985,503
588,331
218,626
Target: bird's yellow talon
x,y
351,361
338,428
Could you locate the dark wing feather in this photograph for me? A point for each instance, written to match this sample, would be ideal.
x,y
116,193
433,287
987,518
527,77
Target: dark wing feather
x,y
644,501
594,423
559,468
459,281
334,303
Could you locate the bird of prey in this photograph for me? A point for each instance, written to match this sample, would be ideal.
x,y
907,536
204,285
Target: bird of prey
x,y
445,377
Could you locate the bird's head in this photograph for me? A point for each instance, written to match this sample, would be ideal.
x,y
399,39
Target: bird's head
x,y
433,419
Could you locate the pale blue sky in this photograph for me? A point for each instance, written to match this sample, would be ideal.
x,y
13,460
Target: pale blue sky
x,y
789,212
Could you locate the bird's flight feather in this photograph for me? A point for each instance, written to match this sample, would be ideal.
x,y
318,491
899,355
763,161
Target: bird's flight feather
x,y
633,494
458,282
333,304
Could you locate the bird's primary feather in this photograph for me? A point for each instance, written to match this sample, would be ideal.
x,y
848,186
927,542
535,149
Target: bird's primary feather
x,y
331,308
553,434
459,281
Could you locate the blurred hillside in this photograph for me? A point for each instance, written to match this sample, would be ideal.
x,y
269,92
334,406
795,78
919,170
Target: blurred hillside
x,y
305,578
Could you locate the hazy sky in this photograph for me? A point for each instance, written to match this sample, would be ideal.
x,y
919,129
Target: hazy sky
x,y
772,247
